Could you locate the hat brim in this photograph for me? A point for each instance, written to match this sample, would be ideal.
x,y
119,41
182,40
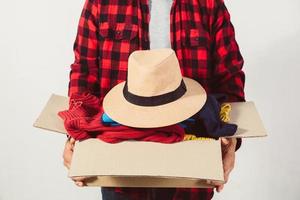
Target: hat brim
x,y
128,114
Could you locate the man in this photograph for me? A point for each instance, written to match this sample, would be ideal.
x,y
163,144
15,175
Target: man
x,y
201,34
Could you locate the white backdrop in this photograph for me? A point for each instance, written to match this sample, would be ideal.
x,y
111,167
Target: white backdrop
x,y
36,38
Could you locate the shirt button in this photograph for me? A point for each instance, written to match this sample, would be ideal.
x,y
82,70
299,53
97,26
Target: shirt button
x,y
118,32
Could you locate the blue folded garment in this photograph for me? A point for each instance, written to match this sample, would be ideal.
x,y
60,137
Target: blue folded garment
x,y
106,120
184,123
207,122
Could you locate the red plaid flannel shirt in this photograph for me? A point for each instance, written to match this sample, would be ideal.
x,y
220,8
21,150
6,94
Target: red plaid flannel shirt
x,y
202,36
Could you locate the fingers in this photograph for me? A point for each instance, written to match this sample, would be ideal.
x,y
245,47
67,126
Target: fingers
x,y
226,176
67,157
66,164
68,153
219,185
79,180
229,143
225,141
228,156
220,188
72,141
228,162
70,144
228,165
79,183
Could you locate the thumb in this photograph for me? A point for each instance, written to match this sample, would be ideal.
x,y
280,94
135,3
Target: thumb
x,y
224,141
72,140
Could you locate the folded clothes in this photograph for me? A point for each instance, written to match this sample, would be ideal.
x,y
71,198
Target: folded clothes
x,y
206,123
81,125
85,118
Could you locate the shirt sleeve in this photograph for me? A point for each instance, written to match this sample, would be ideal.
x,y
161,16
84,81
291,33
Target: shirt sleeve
x,y
228,76
83,76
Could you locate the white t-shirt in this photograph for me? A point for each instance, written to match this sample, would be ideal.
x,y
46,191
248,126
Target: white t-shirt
x,y
159,25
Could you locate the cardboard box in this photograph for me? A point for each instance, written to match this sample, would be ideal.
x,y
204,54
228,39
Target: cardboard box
x,y
150,164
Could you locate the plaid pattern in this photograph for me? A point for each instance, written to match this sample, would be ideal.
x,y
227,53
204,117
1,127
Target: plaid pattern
x,y
202,36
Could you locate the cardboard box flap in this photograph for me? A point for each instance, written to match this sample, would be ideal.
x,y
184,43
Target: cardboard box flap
x,y
194,161
48,119
244,114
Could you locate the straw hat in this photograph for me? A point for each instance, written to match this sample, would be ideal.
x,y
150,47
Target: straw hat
x,y
155,93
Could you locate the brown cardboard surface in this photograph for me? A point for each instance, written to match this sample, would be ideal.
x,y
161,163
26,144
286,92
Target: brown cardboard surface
x,y
48,119
148,164
244,114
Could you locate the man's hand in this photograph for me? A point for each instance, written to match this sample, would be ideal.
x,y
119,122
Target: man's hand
x,y
67,156
228,156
